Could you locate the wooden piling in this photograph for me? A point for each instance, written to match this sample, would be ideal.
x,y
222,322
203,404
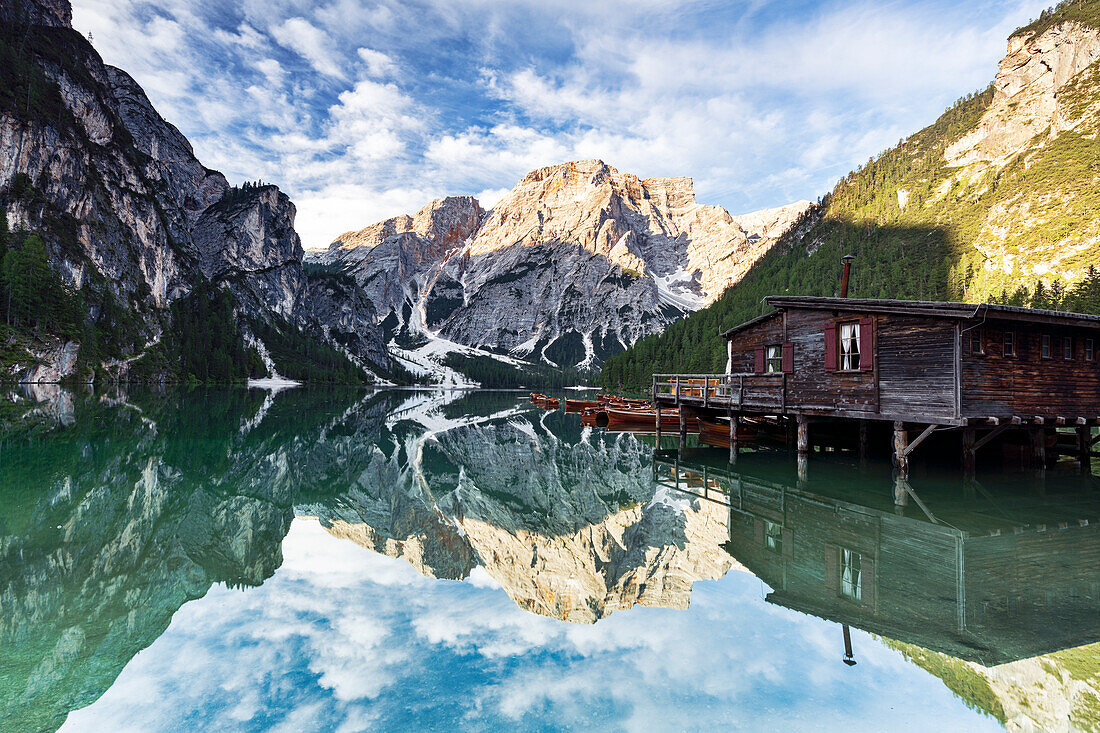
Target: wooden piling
x,y
734,422
969,453
1084,448
803,435
901,445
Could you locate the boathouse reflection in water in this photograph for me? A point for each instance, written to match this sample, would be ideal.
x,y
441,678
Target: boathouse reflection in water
x,y
988,579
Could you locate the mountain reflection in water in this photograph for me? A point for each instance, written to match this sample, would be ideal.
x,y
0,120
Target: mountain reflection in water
x,y
118,509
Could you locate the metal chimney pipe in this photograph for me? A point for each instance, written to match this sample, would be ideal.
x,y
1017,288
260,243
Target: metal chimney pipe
x,y
847,260
849,658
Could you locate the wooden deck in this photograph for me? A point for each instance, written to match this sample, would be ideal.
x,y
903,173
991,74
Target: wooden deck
x,y
769,394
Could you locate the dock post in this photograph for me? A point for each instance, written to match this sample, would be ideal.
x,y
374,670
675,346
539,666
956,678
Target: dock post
x,y
863,447
1084,449
683,429
1037,439
734,420
901,445
969,457
803,435
901,495
657,422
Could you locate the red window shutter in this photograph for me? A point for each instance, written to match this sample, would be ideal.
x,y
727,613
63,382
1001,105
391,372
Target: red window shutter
x,y
830,347
759,359
866,344
788,358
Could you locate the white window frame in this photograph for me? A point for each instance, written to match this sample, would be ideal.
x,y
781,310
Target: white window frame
x,y
773,536
847,338
773,359
851,575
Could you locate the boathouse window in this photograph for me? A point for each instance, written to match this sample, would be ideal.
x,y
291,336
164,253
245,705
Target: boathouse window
x,y
851,575
976,346
1010,343
849,346
773,536
1067,347
1045,348
773,363
1090,349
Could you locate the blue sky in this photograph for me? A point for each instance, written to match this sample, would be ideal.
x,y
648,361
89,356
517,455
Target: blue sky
x,y
343,639
363,110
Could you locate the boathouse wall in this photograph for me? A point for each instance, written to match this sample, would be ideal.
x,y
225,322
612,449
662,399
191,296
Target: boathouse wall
x,y
1031,381
911,369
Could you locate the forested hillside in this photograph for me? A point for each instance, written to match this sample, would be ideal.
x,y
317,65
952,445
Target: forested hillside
x,y
998,200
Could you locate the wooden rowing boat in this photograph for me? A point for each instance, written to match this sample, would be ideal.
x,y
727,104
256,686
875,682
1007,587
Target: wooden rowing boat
x,y
718,434
670,419
580,405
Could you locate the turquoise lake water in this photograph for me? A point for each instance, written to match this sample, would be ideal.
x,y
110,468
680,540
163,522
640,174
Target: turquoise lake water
x,y
341,560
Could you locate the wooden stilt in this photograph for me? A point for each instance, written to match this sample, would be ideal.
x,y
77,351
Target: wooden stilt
x,y
657,419
969,455
901,444
901,494
1037,439
734,421
863,446
1084,448
803,469
683,429
803,435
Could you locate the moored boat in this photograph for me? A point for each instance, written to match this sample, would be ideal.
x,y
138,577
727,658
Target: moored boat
x,y
718,433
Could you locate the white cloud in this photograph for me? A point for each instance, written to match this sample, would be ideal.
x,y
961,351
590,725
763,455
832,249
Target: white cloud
x,y
311,43
378,63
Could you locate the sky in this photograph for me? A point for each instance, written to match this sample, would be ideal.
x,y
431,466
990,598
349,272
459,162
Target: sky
x,y
343,639
362,110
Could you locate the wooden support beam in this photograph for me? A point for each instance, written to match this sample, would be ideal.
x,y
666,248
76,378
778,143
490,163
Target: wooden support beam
x,y
1059,420
734,421
994,420
1015,420
803,434
863,442
1084,452
901,450
1037,438
920,439
969,460
990,436
1038,420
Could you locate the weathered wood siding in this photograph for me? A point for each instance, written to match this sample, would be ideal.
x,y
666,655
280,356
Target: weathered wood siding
x,y
913,372
916,365
1027,384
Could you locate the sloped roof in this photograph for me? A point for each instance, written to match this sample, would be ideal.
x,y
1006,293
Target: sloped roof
x,y
931,309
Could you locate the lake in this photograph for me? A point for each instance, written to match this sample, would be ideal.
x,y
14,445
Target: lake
x,y
342,560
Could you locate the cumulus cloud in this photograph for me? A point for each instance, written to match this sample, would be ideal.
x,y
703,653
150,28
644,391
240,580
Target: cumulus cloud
x,y
344,639
371,104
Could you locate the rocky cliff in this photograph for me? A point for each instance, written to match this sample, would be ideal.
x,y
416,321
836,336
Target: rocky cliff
x,y
578,262
128,213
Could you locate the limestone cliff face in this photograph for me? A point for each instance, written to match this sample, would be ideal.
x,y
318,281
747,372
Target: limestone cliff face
x,y
1027,98
578,262
125,206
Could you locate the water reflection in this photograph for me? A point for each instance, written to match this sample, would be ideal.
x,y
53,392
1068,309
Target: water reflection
x,y
120,508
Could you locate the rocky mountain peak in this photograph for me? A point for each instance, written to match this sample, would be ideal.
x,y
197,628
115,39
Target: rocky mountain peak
x,y
55,13
577,262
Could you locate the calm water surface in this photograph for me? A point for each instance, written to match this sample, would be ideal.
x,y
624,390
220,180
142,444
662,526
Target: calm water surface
x,y
342,560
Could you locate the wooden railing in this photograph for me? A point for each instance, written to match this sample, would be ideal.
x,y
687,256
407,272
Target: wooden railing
x,y
722,390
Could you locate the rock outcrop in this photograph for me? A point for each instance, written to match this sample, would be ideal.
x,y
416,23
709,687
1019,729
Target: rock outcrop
x,y
578,262
129,213
1027,96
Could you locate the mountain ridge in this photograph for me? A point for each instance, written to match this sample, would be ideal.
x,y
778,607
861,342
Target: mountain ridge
x,y
576,263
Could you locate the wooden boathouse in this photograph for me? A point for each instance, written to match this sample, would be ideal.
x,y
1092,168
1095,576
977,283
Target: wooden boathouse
x,y
821,367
